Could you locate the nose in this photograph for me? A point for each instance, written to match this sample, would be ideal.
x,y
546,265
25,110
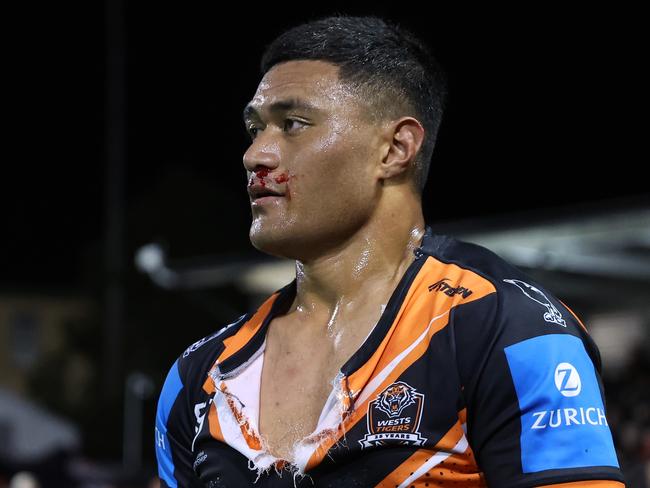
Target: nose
x,y
264,152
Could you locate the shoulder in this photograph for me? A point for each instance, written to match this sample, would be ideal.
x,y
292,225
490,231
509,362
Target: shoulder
x,y
189,371
468,255
195,361
508,315
477,260
183,386
182,405
517,301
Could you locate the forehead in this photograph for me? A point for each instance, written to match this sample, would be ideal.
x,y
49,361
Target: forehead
x,y
313,81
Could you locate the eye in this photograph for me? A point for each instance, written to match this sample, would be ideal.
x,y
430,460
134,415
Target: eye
x,y
290,124
252,130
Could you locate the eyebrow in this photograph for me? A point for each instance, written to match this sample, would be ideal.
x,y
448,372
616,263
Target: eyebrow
x,y
251,112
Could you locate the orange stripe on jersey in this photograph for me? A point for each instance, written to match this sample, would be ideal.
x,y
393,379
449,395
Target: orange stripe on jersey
x,y
465,462
574,315
213,417
252,440
588,484
441,467
361,408
445,282
405,469
462,416
208,385
461,468
235,342
422,312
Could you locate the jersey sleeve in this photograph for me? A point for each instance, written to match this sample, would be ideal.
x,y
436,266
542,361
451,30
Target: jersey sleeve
x,y
173,434
531,384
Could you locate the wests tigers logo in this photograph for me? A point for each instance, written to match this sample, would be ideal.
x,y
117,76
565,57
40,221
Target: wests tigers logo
x,y
395,398
394,417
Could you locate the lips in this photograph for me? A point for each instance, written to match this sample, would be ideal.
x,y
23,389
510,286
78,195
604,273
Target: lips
x,y
260,191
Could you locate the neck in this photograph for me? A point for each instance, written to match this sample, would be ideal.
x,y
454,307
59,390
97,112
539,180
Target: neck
x,y
365,268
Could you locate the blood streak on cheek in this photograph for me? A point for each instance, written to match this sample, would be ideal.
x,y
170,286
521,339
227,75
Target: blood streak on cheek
x,y
282,178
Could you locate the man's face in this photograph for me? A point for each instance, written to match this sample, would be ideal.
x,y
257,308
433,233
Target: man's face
x,y
315,147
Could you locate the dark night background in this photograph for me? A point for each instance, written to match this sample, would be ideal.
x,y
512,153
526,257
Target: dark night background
x,y
545,111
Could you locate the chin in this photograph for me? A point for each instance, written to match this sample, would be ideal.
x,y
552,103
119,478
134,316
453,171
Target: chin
x,y
271,240
285,241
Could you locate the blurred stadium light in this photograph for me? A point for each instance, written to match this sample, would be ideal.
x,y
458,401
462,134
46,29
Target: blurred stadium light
x,y
616,244
250,275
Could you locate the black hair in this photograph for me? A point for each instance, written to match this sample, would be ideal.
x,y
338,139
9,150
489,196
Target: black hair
x,y
387,63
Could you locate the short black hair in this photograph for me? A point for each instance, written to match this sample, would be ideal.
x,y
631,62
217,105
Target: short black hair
x,y
393,69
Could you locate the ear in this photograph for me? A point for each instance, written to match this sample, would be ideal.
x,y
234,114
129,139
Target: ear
x,y
404,138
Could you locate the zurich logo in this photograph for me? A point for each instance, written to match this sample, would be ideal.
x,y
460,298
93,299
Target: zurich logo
x,y
567,380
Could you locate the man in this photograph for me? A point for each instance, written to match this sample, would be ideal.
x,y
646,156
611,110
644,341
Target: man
x,y
397,357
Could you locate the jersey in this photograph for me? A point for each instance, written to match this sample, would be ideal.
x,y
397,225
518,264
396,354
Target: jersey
x,y
474,375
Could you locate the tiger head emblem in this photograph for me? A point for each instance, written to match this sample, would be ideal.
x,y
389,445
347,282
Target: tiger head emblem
x,y
395,398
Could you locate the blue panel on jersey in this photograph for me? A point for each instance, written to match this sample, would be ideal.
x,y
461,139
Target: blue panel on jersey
x,y
563,421
167,398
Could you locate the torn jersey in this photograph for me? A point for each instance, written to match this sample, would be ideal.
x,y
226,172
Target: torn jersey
x,y
474,375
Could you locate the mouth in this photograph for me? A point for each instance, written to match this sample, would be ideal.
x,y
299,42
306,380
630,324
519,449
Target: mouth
x,y
265,200
260,195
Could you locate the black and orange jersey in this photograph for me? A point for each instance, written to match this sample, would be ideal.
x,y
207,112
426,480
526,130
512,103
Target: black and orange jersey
x,y
474,375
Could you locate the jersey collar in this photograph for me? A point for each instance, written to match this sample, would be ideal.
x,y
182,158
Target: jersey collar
x,y
248,340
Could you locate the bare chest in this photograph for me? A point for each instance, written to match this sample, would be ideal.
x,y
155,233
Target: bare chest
x,y
296,382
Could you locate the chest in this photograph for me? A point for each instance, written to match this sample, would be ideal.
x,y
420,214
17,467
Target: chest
x,y
296,382
405,403
293,391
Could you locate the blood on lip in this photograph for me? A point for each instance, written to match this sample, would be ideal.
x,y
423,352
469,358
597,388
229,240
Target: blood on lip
x,y
263,173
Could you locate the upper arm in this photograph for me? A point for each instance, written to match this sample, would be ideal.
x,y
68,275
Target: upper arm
x,y
536,411
173,434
